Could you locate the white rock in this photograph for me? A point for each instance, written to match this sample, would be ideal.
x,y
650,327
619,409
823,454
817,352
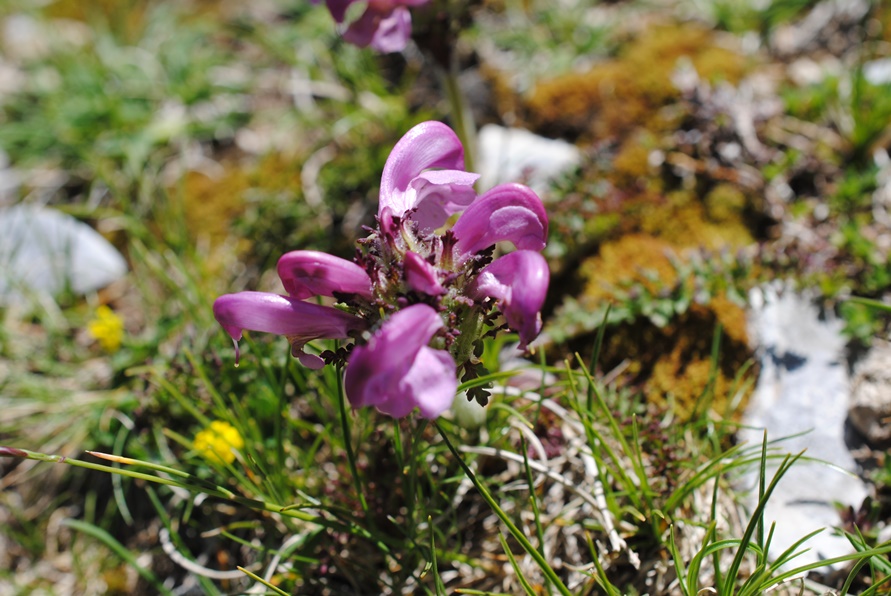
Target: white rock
x,y
878,72
23,37
517,155
803,388
45,251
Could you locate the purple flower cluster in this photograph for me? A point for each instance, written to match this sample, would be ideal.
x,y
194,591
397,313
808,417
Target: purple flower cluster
x,y
384,26
416,299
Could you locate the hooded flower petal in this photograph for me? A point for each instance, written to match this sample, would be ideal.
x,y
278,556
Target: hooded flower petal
x,y
519,283
405,185
421,275
510,212
299,321
439,194
307,273
384,31
396,371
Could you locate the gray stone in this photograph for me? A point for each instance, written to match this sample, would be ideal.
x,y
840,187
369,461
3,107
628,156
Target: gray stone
x,y
44,251
870,411
802,397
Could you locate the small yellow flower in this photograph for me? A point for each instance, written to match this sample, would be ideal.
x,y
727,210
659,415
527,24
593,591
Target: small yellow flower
x,y
107,328
217,441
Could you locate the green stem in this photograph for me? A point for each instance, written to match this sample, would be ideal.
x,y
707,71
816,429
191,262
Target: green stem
x,y
462,117
512,528
198,485
347,441
279,420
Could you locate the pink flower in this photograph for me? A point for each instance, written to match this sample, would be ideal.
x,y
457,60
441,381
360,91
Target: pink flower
x,y
519,282
415,302
307,273
410,187
421,276
508,212
299,321
396,371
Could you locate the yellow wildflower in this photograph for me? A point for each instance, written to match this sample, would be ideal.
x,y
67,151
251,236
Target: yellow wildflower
x,y
107,328
217,441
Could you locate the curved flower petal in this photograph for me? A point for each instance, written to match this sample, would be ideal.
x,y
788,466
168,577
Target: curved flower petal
x,y
307,273
386,31
299,321
396,371
510,212
519,283
440,193
427,145
421,275
337,8
431,381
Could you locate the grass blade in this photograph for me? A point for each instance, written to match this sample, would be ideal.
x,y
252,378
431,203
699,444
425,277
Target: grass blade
x,y
119,549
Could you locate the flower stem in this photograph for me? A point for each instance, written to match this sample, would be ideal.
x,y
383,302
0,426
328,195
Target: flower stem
x,y
462,116
278,421
347,440
512,528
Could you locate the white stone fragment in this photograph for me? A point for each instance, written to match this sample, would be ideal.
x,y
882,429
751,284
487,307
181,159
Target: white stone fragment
x,y
45,251
878,72
517,155
803,390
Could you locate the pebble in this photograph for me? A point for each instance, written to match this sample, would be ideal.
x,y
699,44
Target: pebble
x,y
45,252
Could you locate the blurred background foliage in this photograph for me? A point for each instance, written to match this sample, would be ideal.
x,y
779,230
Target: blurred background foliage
x,y
725,144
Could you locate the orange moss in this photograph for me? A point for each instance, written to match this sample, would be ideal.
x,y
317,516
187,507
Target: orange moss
x,y
505,101
680,376
277,172
672,363
619,103
883,19
210,204
627,92
631,258
631,165
125,18
683,220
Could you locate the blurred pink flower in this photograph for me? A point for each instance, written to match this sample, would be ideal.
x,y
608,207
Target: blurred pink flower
x,y
385,25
